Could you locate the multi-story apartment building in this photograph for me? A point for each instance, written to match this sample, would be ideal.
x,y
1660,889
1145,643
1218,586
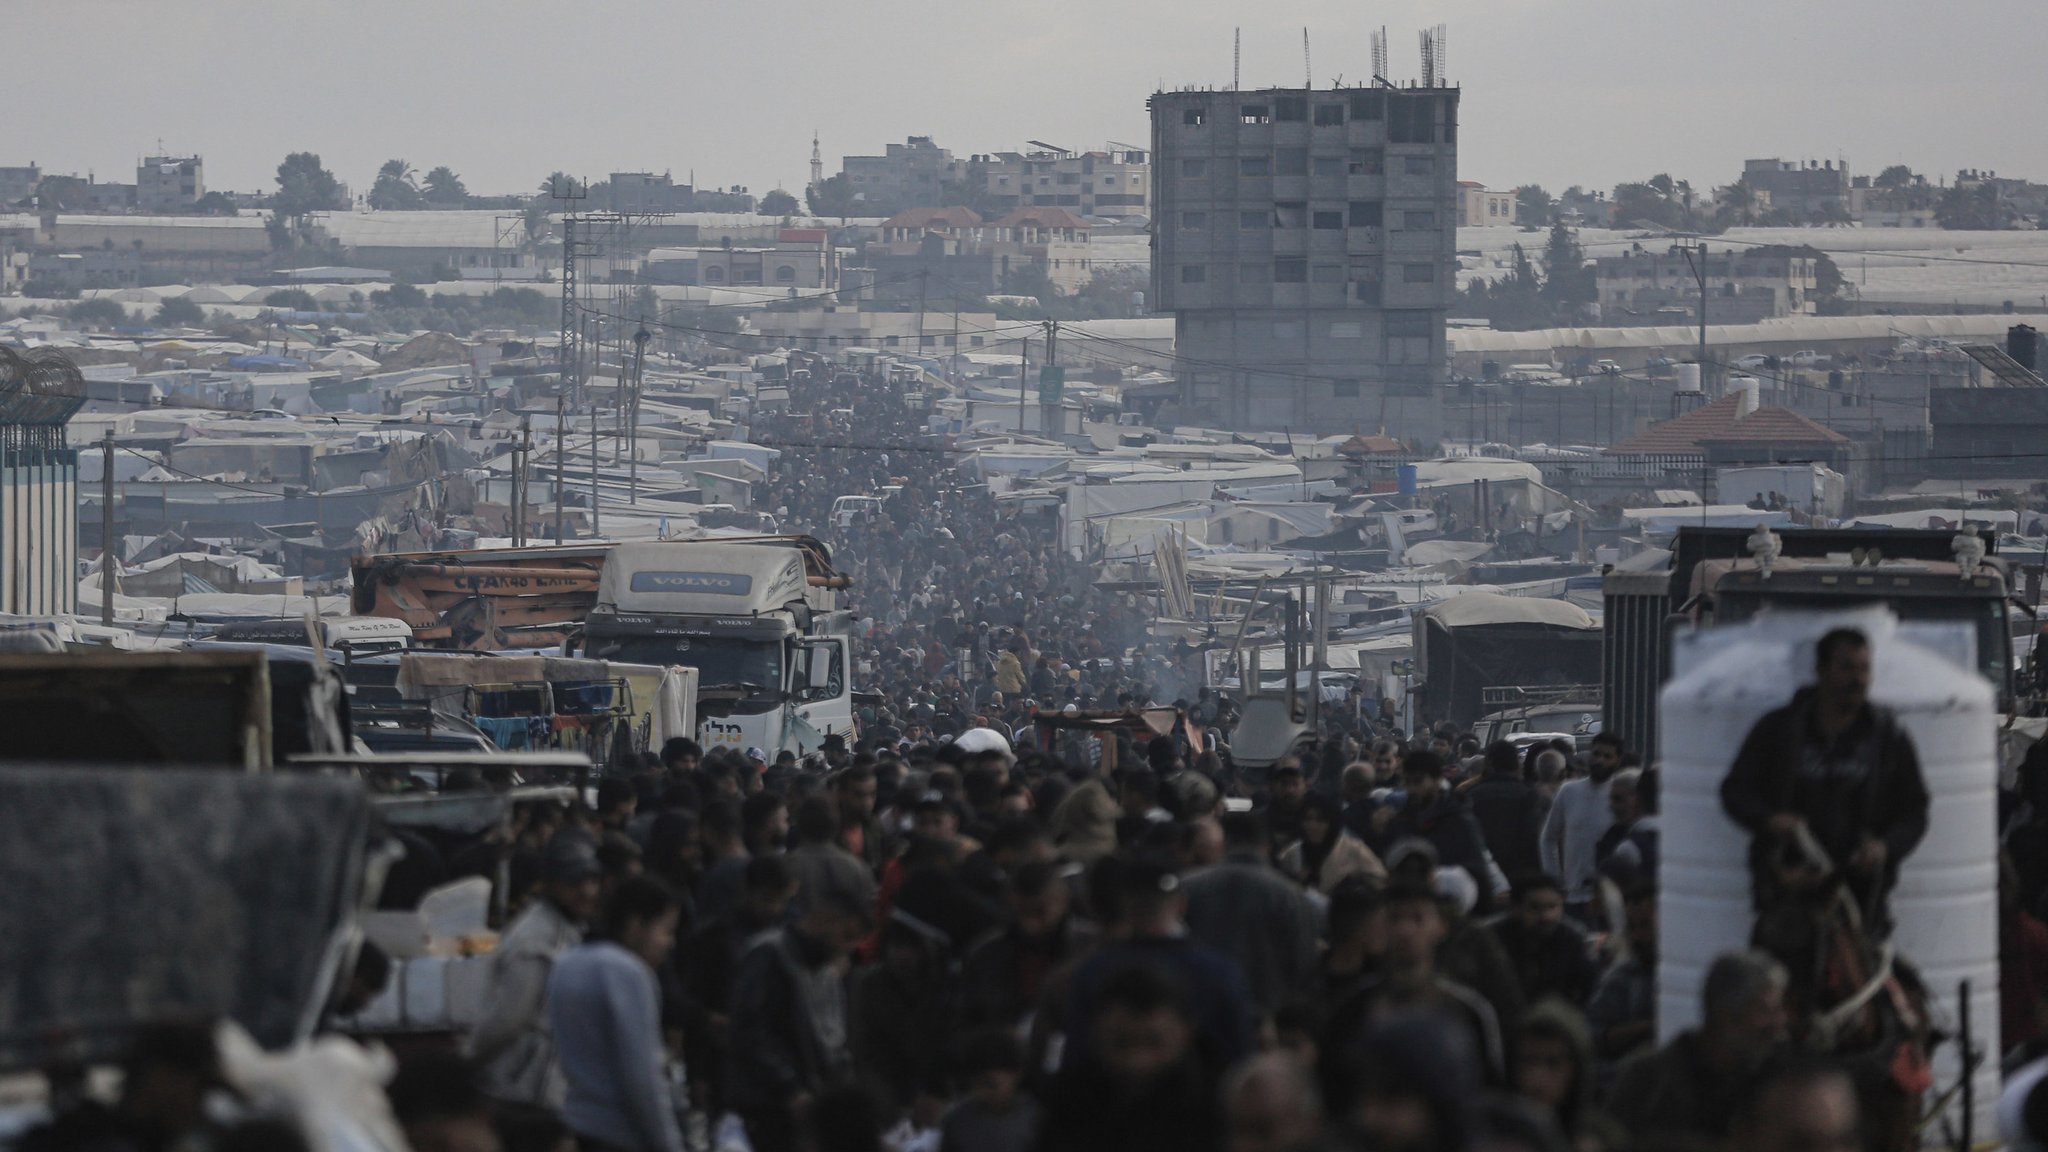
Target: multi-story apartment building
x,y
1304,241
167,185
1113,183
912,174
1743,285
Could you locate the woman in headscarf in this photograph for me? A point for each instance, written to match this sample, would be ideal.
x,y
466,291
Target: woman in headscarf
x,y
1327,854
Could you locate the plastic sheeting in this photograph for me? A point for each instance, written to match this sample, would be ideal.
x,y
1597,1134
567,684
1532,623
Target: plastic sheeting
x,y
161,894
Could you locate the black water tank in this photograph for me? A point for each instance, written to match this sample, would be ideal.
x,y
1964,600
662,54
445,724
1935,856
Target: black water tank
x,y
2022,343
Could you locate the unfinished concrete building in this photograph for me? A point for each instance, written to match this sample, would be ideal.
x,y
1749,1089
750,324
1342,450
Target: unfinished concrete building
x,y
1305,242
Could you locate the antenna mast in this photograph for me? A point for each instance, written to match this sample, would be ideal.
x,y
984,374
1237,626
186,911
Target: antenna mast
x,y
1236,55
1379,56
1308,74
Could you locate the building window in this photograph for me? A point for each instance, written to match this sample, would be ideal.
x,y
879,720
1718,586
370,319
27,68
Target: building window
x,y
1194,221
1194,117
1408,323
1329,115
1254,165
1289,329
784,274
1329,221
1418,273
1326,274
1194,167
714,275
1327,166
1254,221
1290,214
1254,114
1369,106
1365,213
1346,330
1194,273
1367,161
1252,272
1418,221
1290,270
1290,108
1109,181
1291,162
1420,165
1344,389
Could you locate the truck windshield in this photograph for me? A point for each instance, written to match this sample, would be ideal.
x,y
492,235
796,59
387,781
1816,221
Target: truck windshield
x,y
721,662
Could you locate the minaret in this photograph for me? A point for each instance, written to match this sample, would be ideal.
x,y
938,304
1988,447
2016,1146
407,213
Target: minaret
x,y
817,161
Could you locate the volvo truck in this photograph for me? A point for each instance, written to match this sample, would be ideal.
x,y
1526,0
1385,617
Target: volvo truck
x,y
765,633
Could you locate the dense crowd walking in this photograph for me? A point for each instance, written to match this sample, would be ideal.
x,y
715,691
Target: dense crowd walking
x,y
920,941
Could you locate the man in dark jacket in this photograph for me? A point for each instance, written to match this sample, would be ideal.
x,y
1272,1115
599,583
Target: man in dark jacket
x,y
1246,910
1434,813
790,1026
1007,969
1509,811
1832,765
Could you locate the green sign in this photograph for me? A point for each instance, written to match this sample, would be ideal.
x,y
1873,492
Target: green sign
x,y
1052,383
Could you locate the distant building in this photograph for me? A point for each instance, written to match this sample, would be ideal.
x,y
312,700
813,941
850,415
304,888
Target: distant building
x,y
167,185
1112,183
38,492
912,174
1743,286
1305,242
18,184
1479,207
646,193
960,251
800,259
108,197
1730,432
1814,190
68,273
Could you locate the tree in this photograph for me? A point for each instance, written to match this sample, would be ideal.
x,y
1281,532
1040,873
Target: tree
x,y
215,204
831,197
304,186
1974,207
557,182
444,188
1661,182
1567,280
1636,205
178,312
62,194
779,203
99,311
1738,204
1533,205
399,296
1026,279
396,187
1896,176
294,299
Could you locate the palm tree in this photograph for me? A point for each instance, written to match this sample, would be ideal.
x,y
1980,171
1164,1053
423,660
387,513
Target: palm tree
x,y
398,170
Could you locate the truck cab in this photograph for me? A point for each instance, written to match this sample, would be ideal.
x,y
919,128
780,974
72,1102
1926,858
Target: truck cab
x,y
766,640
1731,591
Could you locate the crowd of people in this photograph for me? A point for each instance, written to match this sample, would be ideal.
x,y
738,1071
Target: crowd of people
x,y
929,943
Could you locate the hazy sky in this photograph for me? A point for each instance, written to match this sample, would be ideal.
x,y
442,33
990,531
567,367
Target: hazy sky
x,y
1556,91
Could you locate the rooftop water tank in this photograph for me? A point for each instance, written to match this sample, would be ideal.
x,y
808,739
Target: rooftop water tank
x,y
1946,903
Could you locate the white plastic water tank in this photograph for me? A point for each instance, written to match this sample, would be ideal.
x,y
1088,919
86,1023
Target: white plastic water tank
x,y
1946,903
1688,377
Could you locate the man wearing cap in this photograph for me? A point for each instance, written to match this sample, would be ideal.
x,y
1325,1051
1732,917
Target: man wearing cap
x,y
1442,816
1155,910
512,1043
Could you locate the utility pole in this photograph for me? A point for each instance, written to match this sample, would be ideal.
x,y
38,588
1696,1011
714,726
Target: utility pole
x,y
640,340
107,528
1699,274
1050,394
523,478
1023,371
924,276
593,462
561,442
